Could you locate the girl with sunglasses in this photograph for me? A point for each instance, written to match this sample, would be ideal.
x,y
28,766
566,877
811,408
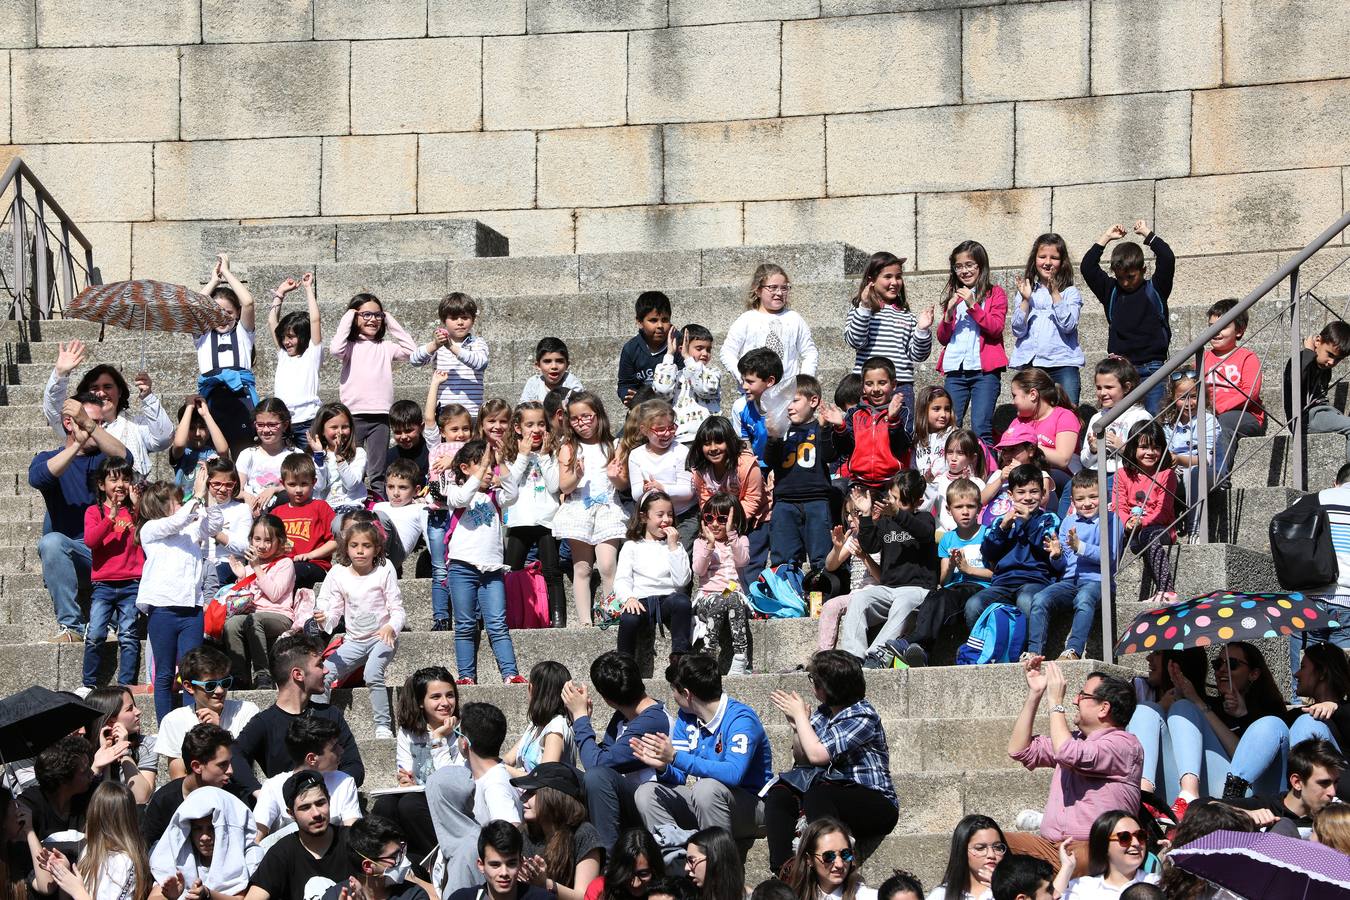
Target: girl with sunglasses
x,y
720,552
1117,851
825,866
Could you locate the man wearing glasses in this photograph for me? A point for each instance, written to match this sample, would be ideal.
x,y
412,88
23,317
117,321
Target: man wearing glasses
x,y
1097,767
379,863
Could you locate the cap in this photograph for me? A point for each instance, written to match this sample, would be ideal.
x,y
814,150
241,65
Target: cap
x,y
297,784
1018,432
559,776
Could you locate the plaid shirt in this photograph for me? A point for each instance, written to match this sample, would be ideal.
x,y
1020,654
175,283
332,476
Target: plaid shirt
x,y
857,746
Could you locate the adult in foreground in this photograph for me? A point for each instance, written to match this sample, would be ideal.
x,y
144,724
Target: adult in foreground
x,y
1097,767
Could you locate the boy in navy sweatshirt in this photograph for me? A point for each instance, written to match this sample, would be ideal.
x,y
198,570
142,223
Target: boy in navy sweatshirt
x,y
1138,324
800,462
1080,541
905,538
1022,548
644,351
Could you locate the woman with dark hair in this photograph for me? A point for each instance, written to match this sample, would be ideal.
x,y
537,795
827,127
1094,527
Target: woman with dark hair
x,y
1154,696
562,853
1117,850
1236,739
713,862
825,866
1323,677
1178,884
843,766
977,848
149,431
119,751
549,737
634,862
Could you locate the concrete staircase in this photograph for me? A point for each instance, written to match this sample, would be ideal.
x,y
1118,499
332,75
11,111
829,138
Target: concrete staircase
x,y
947,726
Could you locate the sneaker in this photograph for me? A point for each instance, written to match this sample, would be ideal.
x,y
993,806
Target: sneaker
x,y
262,681
66,636
915,656
463,681
82,692
515,679
1179,807
383,733
1070,655
739,665
878,659
440,625
1026,655
1028,820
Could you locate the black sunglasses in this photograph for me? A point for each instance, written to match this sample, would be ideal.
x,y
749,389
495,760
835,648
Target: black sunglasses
x,y
829,856
1183,373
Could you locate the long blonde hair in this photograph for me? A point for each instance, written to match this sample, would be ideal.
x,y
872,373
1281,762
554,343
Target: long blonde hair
x,y
1332,827
111,827
763,272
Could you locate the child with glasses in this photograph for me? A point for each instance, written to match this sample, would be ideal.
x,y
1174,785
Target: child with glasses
x,y
720,552
767,322
660,463
206,674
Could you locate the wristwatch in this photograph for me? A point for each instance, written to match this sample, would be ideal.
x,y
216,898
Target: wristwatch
x,y
1059,708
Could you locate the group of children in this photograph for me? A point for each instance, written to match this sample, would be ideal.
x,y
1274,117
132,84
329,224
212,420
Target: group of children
x,y
890,504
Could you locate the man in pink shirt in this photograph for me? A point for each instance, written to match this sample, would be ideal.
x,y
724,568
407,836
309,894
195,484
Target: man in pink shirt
x,y
1097,767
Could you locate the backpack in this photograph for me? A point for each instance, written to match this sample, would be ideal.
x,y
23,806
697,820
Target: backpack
x,y
1300,543
527,598
777,593
1155,300
999,635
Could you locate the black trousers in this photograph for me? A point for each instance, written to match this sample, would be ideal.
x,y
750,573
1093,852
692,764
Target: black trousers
x,y
411,813
518,544
866,812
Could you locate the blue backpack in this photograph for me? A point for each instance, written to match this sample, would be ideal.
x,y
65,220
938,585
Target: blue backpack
x,y
777,592
999,635
1154,299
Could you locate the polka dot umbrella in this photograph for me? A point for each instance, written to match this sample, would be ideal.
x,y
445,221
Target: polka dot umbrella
x,y
1223,616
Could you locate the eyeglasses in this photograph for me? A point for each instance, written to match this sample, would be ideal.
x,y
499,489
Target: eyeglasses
x,y
1126,838
642,874
692,862
1231,663
829,856
778,289
214,684
665,429
582,420
967,267
267,426
718,518
220,484
997,848
1084,695
1183,373
371,316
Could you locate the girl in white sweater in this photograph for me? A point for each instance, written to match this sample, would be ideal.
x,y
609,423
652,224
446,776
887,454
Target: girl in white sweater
x,y
660,463
529,521
652,574
769,323
340,462
362,588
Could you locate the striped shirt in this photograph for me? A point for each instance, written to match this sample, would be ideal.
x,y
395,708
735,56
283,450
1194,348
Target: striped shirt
x,y
1336,501
893,333
467,373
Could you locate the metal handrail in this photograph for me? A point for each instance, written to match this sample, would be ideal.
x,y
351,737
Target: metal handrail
x,y
18,174
1194,351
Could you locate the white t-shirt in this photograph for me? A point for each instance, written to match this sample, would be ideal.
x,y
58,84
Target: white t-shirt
x,y
532,743
236,349
1094,887
409,521
296,382
940,893
176,725
117,878
259,469
271,812
667,468
495,798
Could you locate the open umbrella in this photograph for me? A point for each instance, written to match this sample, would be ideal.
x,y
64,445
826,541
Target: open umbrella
x,y
1254,864
147,305
35,718
1224,616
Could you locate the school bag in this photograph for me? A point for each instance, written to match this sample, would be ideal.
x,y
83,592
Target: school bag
x,y
999,635
606,609
777,593
527,598
1300,544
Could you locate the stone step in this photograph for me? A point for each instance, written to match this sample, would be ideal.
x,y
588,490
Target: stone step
x,y
354,241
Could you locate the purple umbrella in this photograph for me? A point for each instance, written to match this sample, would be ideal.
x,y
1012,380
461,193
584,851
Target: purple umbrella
x,y
1254,864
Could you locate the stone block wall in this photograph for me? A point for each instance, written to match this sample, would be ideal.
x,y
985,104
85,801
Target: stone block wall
x,y
624,125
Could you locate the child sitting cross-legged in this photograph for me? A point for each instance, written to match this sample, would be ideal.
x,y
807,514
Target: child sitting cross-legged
x,y
1080,537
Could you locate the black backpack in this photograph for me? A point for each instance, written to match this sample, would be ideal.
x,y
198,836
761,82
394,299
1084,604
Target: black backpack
x,y
1300,542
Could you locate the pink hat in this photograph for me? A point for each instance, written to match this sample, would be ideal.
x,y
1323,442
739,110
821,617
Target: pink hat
x,y
1018,432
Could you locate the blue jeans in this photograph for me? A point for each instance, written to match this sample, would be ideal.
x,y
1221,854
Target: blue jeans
x,y
438,521
1153,400
1149,725
173,631
1020,595
1067,377
758,540
979,391
800,530
113,602
1259,758
1305,727
475,593
1083,596
65,566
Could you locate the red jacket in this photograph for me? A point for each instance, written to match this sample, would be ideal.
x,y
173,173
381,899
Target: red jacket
x,y
874,444
989,314
116,556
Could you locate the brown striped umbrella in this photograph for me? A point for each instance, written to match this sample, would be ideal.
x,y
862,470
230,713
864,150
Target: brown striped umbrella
x,y
146,305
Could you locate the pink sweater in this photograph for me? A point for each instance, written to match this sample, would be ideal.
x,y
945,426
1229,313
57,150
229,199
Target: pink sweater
x,y
276,583
717,565
367,602
989,315
367,380
1093,775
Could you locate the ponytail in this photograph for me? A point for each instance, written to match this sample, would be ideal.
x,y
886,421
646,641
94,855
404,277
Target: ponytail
x,y
1039,380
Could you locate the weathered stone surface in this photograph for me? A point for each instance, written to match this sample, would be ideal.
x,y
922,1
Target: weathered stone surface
x,y
947,148
883,222
1003,221
768,159
369,174
512,275
804,262
304,243
683,227
1261,211
170,251
413,239
600,166
473,170
1025,51
264,90
595,15
842,65
452,17
17,25
1284,40
709,73
77,175
1278,126
416,85
1202,280
532,232
115,94
1155,45
553,81
6,114
369,19
202,179
112,248
713,12
625,271
1060,141
75,23
1080,213
252,21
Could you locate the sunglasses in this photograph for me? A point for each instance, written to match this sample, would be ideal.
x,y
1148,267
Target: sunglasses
x,y
1126,838
214,684
829,856
719,518
1183,373
1084,695
1221,661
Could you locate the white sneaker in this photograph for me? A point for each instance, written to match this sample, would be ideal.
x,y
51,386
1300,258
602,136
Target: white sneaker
x,y
83,692
1028,820
739,665
383,733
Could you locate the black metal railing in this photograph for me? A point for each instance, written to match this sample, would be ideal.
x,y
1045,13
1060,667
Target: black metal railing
x,y
51,260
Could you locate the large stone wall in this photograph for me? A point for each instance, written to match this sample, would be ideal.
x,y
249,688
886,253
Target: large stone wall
x,y
598,125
